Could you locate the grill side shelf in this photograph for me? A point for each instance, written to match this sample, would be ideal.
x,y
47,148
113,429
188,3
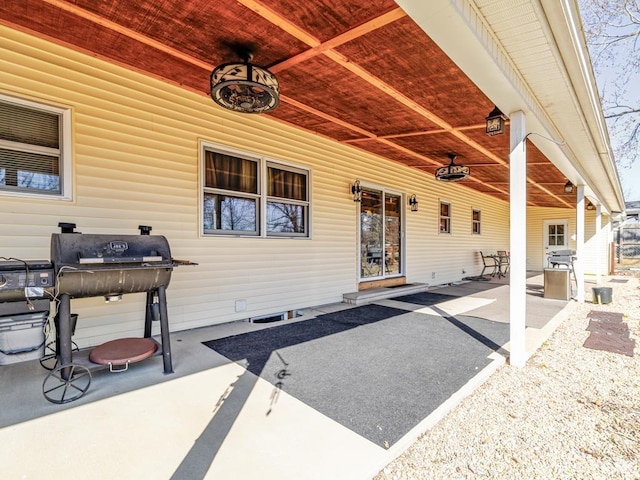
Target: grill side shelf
x,y
97,260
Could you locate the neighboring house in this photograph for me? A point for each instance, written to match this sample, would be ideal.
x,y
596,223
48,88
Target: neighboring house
x,y
114,128
626,234
632,212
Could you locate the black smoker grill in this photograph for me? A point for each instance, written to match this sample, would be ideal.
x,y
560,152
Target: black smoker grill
x,y
91,265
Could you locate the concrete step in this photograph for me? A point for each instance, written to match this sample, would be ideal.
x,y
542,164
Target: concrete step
x,y
368,296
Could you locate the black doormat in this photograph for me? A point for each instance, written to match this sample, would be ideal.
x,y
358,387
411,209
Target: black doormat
x,y
376,370
478,279
425,298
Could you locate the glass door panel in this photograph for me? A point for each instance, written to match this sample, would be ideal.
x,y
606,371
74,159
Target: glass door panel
x,y
380,234
393,232
371,234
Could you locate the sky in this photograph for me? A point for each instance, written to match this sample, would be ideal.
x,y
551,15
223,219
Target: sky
x,y
616,78
630,180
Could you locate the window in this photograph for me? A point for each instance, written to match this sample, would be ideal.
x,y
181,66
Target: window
x,y
286,200
445,217
35,145
231,194
248,195
556,235
475,222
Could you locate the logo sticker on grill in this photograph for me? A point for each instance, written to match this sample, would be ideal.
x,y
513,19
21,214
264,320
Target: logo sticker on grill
x,y
118,246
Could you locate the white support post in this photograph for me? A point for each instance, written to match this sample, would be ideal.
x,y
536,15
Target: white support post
x,y
577,267
518,238
599,244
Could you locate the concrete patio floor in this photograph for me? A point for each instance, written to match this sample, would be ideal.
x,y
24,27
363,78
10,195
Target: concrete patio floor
x,y
213,418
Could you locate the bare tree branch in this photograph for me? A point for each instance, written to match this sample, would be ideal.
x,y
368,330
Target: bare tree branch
x,y
612,31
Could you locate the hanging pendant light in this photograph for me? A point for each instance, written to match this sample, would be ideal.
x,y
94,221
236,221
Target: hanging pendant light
x,y
244,87
568,187
452,172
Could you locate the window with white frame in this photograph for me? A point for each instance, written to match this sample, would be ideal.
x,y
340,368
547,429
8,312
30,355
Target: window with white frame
x,y
250,195
287,200
35,146
475,221
445,217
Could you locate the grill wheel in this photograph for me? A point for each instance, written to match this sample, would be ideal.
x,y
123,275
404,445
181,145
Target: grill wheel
x,y
66,383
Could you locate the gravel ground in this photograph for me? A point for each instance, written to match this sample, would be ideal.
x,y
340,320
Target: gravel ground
x,y
570,413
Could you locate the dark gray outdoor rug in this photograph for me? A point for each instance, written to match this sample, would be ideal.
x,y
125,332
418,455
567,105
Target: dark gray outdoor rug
x,y
377,370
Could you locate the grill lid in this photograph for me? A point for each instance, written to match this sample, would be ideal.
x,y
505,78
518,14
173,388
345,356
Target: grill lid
x,y
92,265
127,251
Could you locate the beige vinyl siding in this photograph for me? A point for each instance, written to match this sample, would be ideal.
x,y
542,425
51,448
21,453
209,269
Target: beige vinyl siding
x,y
447,255
594,245
536,216
597,244
136,161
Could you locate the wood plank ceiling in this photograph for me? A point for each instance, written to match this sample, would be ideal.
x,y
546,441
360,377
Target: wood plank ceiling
x,y
358,71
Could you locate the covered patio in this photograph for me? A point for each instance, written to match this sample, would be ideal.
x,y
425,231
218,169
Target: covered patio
x,y
378,96
375,98
251,400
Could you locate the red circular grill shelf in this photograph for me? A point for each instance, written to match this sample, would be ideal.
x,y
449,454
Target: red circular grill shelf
x,y
123,351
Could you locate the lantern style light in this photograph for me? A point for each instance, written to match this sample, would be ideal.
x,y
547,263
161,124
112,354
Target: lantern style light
x,y
495,122
452,172
244,87
356,191
413,203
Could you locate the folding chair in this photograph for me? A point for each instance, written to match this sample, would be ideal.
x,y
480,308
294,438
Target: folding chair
x,y
504,261
489,262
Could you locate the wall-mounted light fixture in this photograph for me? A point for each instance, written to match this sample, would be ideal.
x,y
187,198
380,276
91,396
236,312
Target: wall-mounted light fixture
x,y
244,87
452,172
568,187
356,191
413,203
590,206
495,122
